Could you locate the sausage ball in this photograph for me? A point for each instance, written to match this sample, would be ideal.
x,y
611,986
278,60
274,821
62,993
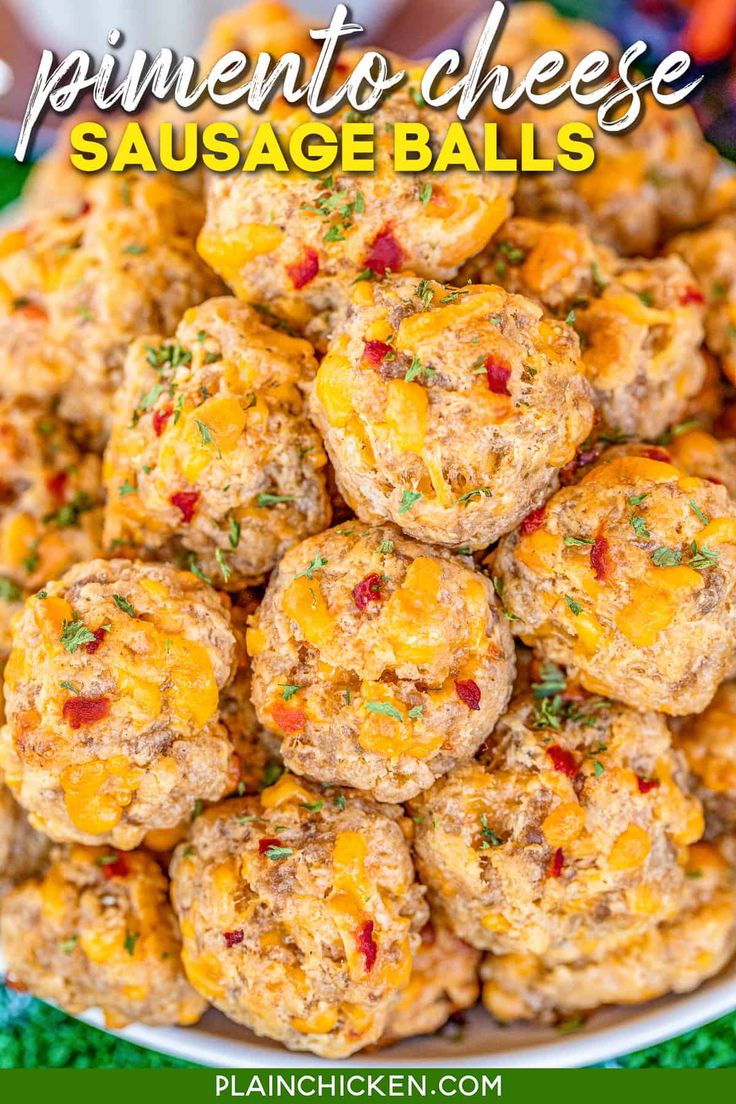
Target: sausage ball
x,y
112,692
293,242
711,253
50,504
23,851
381,663
708,741
211,456
98,931
568,837
443,982
532,28
449,411
711,458
77,287
675,956
629,579
300,915
640,322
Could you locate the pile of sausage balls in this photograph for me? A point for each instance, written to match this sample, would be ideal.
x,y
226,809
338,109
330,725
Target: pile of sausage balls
x,y
368,585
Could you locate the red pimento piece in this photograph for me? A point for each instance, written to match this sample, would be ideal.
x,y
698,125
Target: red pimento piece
x,y
600,561
301,272
497,374
375,352
367,944
384,253
288,719
533,521
557,863
32,312
93,645
657,454
17,986
159,419
266,843
582,458
563,760
117,869
368,590
232,938
56,483
646,784
468,692
691,295
80,711
185,501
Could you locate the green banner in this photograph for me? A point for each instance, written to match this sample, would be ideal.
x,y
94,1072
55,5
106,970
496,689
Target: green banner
x,y
353,1086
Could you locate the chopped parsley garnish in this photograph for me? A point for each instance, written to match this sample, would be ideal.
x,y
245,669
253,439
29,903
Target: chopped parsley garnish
x,y
639,525
288,690
498,585
698,512
385,708
425,193
224,566
598,280
702,558
318,562
677,431
198,809
172,354
416,368
68,515
68,945
74,634
416,712
489,836
233,532
553,681
66,685
196,570
598,768
9,592
425,293
134,249
265,501
123,604
271,773
479,492
131,938
386,547
573,606
578,542
408,499
276,854
666,557
205,433
311,806
636,500
126,488
340,802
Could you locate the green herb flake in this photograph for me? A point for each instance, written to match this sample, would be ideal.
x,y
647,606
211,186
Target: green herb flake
x,y
74,634
386,709
131,938
123,604
408,499
574,607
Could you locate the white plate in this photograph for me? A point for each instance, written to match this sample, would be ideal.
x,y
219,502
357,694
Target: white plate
x,y
215,1041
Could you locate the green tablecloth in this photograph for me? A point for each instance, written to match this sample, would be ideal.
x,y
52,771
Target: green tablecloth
x,y
32,1034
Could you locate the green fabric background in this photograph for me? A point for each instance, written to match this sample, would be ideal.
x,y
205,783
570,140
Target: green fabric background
x,y
32,1034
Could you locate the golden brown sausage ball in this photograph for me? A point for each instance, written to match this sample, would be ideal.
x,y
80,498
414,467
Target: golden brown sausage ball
x,y
645,184
711,458
674,957
533,27
300,915
443,982
569,836
211,456
382,663
449,411
293,243
711,254
23,851
76,288
640,322
708,741
629,578
111,694
98,931
50,504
